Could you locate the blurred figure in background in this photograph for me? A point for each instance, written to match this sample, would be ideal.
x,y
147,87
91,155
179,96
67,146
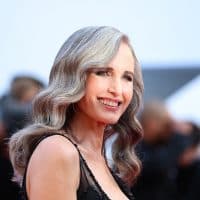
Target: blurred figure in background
x,y
15,113
161,152
188,179
2,129
16,104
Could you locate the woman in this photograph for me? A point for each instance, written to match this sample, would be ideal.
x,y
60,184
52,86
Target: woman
x,y
94,91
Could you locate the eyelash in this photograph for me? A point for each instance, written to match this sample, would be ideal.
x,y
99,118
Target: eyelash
x,y
128,78
107,73
102,73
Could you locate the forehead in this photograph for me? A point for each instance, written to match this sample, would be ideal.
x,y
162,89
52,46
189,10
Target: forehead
x,y
123,58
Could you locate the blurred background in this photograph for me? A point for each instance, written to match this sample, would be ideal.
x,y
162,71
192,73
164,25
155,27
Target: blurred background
x,y
164,33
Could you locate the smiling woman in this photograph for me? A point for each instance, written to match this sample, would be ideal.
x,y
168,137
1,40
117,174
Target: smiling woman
x,y
94,91
109,90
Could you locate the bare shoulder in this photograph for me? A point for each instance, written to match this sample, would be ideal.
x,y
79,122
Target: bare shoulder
x,y
56,148
58,144
54,165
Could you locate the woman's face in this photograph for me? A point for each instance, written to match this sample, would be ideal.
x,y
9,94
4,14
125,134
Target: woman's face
x,y
109,89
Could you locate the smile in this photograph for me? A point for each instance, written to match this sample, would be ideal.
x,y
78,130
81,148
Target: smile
x,y
109,102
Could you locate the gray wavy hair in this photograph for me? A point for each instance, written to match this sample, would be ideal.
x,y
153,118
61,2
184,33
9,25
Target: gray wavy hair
x,y
53,107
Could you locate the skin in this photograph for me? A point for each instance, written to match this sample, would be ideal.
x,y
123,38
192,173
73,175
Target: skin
x,y
58,174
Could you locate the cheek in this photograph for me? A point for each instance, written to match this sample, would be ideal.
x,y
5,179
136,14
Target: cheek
x,y
93,85
88,99
85,105
128,94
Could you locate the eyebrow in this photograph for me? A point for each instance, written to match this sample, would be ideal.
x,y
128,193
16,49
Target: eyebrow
x,y
111,69
129,73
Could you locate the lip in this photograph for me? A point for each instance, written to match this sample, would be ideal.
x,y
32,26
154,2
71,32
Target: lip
x,y
110,101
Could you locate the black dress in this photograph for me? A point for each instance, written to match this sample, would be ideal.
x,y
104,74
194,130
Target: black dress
x,y
89,188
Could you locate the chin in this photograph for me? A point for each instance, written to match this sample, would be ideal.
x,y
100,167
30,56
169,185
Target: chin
x,y
110,121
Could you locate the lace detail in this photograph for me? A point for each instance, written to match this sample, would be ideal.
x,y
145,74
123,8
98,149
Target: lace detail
x,y
95,183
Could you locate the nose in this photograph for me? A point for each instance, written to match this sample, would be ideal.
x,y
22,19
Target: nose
x,y
115,87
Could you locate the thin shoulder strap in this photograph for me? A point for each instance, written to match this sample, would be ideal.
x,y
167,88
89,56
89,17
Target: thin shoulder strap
x,y
51,134
87,167
69,139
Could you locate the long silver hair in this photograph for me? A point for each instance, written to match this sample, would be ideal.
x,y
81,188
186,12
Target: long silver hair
x,y
53,107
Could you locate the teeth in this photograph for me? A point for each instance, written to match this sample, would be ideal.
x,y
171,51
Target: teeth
x,y
108,102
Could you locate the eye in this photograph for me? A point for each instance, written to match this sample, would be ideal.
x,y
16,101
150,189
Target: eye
x,y
102,73
128,78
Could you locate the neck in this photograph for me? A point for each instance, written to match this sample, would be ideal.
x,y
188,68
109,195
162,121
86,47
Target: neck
x,y
88,133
